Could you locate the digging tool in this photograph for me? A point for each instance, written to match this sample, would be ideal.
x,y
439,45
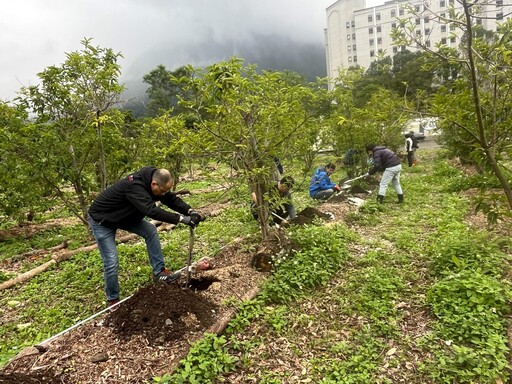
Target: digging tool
x,y
286,223
190,249
346,184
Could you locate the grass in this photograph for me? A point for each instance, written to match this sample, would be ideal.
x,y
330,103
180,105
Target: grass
x,y
420,298
397,293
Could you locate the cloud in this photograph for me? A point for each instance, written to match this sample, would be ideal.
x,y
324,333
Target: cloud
x,y
37,34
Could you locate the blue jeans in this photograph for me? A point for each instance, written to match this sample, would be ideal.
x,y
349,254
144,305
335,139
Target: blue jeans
x,y
106,239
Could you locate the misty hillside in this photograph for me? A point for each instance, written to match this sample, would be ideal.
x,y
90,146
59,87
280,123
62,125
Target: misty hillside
x,y
266,51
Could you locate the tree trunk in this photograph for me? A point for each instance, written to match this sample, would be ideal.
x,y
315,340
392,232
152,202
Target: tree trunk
x,y
103,163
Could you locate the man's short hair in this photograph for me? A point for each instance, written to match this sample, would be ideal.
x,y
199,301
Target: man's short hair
x,y
162,177
369,147
330,166
288,182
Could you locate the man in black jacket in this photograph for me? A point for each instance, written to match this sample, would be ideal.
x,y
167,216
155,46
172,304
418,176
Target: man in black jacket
x,y
124,206
389,163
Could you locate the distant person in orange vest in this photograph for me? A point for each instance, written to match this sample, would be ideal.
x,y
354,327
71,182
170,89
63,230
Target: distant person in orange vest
x,y
415,146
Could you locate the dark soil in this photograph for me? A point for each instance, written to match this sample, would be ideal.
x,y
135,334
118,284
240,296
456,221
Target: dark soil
x,y
308,215
162,313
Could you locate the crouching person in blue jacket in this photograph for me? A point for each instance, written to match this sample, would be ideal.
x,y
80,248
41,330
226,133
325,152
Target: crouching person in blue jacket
x,y
321,187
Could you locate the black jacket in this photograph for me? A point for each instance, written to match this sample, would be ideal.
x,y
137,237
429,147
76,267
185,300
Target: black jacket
x,y
383,158
129,200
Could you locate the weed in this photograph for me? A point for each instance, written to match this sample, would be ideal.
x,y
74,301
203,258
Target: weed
x,y
206,359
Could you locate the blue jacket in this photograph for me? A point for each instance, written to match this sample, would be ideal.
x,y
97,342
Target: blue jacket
x,y
320,182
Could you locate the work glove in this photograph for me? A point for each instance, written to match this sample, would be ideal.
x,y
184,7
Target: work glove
x,y
196,217
187,220
337,188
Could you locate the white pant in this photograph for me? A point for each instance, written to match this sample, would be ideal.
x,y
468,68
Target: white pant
x,y
391,175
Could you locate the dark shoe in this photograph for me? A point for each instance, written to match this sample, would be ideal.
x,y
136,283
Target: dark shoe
x,y
400,199
380,199
166,276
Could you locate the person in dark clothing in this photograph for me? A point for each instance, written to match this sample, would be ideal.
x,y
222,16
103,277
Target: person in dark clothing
x,y
386,161
321,187
350,162
409,150
124,205
415,146
280,201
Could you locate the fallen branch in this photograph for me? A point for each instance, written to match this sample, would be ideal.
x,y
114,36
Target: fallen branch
x,y
35,252
58,258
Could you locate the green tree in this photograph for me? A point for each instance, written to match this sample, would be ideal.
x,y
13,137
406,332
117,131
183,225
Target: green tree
x,y
70,106
252,117
166,88
474,109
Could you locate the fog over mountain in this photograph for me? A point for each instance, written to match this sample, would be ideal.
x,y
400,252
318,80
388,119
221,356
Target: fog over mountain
x,y
266,51
277,34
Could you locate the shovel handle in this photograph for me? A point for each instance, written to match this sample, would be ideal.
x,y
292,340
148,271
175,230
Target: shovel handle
x,y
190,249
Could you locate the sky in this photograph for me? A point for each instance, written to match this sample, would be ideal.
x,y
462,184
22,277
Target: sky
x,y
37,34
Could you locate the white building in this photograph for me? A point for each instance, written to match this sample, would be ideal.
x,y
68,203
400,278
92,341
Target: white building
x,y
355,35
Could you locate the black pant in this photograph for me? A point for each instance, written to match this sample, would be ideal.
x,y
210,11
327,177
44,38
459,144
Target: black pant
x,y
410,158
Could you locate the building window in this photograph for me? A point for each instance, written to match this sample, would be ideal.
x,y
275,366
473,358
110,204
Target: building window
x,y
393,13
499,3
426,19
379,29
418,21
348,24
451,2
355,59
452,27
350,59
372,53
393,25
443,41
379,40
418,33
370,30
417,8
443,28
443,15
499,16
349,48
353,36
452,39
370,18
427,43
353,24
377,17
395,49
401,12
479,21
371,42
379,50
354,47
427,31
442,3
348,37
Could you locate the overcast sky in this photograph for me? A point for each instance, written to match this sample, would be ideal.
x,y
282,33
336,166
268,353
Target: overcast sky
x,y
37,33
